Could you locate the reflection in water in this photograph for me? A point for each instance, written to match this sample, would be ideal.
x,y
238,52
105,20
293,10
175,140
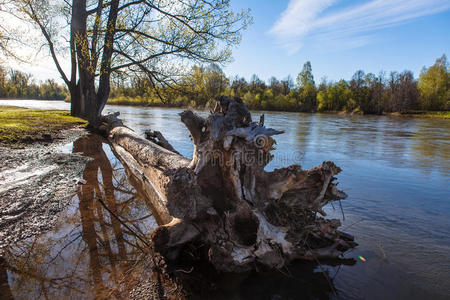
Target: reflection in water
x,y
396,172
300,280
432,146
90,253
5,291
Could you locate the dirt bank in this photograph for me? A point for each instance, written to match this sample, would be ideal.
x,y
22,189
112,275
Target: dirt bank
x,y
36,183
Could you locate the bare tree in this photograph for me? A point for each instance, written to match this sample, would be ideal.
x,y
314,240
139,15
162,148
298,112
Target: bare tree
x,y
403,92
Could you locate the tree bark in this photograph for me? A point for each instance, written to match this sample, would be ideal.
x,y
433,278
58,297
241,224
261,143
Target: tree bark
x,y
223,201
87,101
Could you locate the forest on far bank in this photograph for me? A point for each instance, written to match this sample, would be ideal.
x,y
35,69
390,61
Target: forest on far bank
x,y
365,93
18,85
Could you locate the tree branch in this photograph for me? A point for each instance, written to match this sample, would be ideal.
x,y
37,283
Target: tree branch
x,y
34,17
94,41
134,62
105,70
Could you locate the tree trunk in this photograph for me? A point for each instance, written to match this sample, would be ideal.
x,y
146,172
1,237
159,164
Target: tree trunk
x,y
87,102
223,202
91,106
75,101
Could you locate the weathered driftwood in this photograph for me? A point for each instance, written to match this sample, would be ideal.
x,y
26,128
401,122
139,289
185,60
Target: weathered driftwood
x,y
157,138
222,199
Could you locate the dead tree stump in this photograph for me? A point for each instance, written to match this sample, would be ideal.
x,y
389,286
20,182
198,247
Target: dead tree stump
x,y
223,199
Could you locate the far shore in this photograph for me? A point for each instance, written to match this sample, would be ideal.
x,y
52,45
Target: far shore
x,y
413,113
420,114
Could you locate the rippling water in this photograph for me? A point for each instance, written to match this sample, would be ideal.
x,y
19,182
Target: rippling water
x,y
396,172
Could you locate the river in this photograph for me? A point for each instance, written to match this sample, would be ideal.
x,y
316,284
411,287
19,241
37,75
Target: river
x,y
396,172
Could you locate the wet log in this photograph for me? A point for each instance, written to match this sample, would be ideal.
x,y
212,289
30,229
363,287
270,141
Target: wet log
x,y
224,202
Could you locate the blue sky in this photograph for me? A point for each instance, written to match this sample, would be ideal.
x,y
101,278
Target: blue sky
x,y
340,37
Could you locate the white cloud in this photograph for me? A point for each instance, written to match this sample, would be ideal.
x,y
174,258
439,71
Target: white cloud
x,y
304,19
295,22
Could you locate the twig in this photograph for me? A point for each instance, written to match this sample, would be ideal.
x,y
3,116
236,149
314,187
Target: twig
x,y
347,227
331,203
342,211
184,271
126,226
382,250
323,271
337,271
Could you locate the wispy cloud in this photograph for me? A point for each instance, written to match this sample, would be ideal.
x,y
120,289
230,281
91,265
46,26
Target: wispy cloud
x,y
354,25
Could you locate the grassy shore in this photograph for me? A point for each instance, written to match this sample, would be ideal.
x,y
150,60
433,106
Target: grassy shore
x,y
142,101
20,125
429,114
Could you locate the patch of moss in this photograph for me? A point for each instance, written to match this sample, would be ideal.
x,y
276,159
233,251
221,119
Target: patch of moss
x,y
20,125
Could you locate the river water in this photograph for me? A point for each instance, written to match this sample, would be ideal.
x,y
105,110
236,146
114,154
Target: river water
x,y
396,172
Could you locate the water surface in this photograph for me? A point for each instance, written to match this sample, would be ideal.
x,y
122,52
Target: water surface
x,y
395,171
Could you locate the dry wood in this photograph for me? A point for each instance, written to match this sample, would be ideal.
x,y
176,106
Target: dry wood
x,y
223,201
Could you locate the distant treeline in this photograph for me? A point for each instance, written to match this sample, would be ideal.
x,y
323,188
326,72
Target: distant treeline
x,y
16,84
368,93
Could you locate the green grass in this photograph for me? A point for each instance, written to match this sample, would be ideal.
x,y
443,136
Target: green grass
x,y
429,114
21,125
138,101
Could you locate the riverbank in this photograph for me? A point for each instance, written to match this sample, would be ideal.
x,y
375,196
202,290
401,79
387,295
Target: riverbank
x,y
21,126
142,102
37,181
428,114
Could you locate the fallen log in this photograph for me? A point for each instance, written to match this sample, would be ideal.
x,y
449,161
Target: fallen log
x,y
224,201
